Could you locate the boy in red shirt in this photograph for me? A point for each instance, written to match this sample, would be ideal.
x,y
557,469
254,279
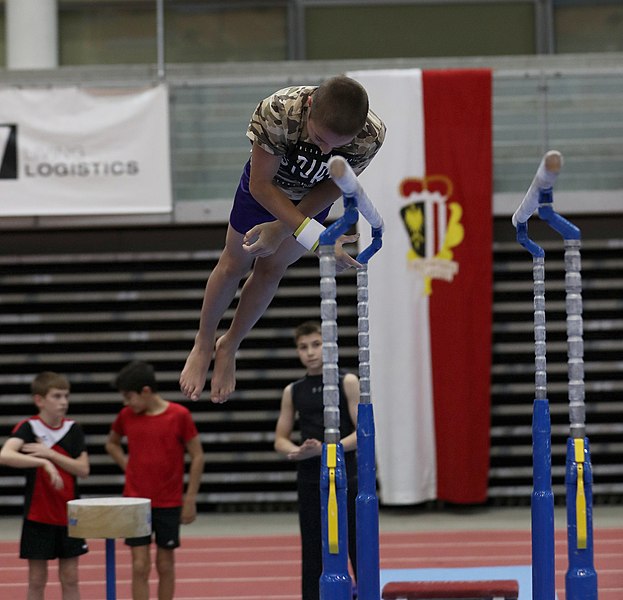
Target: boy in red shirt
x,y
52,450
158,435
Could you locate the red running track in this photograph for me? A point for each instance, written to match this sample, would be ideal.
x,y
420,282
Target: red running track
x,y
267,567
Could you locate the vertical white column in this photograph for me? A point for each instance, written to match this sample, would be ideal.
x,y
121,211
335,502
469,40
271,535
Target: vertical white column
x,y
31,34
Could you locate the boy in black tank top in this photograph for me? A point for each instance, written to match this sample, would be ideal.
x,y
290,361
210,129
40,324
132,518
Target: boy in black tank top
x,y
303,399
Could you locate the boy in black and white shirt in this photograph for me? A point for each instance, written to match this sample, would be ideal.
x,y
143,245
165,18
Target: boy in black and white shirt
x,y
52,450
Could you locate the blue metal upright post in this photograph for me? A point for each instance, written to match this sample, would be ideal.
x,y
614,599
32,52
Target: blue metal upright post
x,y
111,592
542,501
368,562
335,583
335,580
581,576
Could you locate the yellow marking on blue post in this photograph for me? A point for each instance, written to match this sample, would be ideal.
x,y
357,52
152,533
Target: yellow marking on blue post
x,y
580,498
332,504
578,447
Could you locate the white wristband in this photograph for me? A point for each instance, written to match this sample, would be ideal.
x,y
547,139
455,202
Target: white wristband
x,y
308,233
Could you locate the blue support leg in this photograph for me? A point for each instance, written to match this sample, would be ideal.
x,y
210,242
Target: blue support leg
x,y
335,581
581,577
543,551
111,592
368,573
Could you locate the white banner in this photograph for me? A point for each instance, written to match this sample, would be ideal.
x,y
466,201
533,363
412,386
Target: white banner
x,y
75,151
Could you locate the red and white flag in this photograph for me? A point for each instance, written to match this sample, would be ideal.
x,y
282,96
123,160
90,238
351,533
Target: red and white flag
x,y
430,285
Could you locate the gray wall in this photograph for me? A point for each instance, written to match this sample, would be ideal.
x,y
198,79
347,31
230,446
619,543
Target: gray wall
x,y
573,103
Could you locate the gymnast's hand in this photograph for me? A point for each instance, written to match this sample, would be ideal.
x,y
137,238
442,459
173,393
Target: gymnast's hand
x,y
264,239
310,447
343,260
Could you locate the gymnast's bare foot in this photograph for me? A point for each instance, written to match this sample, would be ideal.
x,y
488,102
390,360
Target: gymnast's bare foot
x,y
195,372
224,375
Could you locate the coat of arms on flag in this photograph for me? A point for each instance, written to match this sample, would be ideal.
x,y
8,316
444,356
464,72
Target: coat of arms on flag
x,y
433,225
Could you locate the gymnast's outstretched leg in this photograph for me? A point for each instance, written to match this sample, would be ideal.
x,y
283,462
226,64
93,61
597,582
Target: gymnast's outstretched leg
x,y
220,290
257,293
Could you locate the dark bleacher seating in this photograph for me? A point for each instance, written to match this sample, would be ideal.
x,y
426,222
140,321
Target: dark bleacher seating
x,y
86,302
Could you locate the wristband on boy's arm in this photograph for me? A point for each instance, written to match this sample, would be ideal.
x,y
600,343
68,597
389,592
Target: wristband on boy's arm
x,y
308,233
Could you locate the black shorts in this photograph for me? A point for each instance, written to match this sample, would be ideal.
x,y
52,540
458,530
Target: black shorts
x,y
41,541
165,526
